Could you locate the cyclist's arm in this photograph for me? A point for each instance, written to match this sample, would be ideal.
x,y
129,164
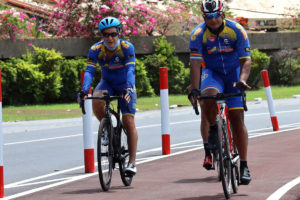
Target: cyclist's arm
x,y
129,63
196,57
89,71
245,69
195,73
244,52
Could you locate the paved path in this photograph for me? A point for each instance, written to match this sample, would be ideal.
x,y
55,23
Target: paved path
x,y
274,160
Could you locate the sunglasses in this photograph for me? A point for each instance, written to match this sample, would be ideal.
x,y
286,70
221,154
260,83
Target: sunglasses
x,y
212,15
113,34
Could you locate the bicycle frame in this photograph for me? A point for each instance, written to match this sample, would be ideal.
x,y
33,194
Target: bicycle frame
x,y
228,155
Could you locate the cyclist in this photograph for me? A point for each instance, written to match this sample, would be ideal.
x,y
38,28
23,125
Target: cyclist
x,y
116,58
222,48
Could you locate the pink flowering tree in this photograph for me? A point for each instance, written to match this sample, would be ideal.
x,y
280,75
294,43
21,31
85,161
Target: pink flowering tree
x,y
17,25
80,18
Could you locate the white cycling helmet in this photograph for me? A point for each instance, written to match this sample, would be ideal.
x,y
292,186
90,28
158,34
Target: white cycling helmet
x,y
212,6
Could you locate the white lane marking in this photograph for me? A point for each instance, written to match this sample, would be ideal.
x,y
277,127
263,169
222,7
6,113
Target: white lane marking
x,y
45,139
92,174
281,191
39,182
140,127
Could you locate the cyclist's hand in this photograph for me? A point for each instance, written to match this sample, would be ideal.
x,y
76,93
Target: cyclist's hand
x,y
241,85
82,95
127,94
193,96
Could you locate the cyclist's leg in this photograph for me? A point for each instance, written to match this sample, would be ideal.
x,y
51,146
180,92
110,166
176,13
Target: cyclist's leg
x,y
211,84
240,133
129,124
98,105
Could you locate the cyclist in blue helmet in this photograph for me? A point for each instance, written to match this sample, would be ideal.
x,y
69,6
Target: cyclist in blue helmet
x,y
222,48
116,57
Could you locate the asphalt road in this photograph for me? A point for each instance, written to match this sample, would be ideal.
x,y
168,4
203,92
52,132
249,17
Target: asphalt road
x,y
50,152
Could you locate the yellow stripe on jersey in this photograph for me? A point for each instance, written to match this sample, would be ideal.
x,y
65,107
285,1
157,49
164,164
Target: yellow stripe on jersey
x,y
91,64
130,63
236,108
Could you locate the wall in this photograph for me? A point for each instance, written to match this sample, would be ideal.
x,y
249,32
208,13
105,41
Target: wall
x,y
70,47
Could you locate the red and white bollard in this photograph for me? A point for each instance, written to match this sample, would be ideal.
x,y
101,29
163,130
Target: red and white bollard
x,y
164,106
1,146
88,138
265,77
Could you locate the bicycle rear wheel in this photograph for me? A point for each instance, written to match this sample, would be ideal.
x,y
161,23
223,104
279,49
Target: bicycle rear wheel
x,y
124,157
224,157
105,154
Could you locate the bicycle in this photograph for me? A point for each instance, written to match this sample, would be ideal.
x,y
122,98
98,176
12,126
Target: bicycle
x,y
225,156
112,145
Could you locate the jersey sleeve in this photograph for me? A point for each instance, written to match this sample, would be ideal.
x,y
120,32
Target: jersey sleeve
x,y
90,70
130,66
196,44
243,44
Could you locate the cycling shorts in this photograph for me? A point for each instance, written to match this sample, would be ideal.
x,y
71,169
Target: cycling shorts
x,y
118,90
223,84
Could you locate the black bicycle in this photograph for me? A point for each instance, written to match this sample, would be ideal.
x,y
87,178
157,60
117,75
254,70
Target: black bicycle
x,y
112,145
225,156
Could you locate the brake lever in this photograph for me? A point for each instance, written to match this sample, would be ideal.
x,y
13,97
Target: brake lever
x,y
195,106
82,106
244,100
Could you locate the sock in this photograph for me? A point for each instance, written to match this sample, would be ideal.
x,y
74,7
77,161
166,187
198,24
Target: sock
x,y
243,163
206,148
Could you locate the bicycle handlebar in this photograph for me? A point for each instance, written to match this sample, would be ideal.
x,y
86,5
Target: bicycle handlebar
x,y
220,96
106,98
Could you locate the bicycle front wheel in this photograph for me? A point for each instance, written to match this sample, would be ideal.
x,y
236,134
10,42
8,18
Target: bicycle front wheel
x,y
124,157
224,157
105,154
235,177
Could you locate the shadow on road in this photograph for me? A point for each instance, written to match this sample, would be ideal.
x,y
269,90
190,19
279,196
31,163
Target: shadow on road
x,y
210,179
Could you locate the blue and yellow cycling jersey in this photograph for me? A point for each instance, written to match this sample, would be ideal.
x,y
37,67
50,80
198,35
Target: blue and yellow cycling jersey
x,y
221,53
119,70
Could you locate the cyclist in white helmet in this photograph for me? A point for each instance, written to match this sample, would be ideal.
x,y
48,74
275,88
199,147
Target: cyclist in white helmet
x,y
116,57
222,48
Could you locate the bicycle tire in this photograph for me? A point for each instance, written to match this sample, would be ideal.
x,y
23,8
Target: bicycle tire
x,y
216,162
105,154
224,157
235,177
124,157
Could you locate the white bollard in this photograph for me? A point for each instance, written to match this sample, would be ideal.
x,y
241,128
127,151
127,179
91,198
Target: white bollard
x,y
265,77
88,138
164,106
1,146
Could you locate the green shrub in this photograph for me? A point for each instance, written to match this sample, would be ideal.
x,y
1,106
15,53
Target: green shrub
x,y
70,72
164,56
260,61
285,67
22,83
142,82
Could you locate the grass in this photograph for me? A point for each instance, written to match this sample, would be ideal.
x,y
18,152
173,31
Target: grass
x,y
58,111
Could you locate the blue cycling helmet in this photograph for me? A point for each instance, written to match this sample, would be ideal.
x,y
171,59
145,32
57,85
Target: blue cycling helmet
x,y
108,22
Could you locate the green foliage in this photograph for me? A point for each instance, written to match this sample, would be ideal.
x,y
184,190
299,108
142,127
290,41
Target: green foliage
x,y
259,62
48,62
21,82
33,79
164,56
142,81
285,67
70,72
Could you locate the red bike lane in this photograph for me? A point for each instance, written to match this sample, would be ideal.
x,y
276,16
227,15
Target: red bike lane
x,y
273,161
